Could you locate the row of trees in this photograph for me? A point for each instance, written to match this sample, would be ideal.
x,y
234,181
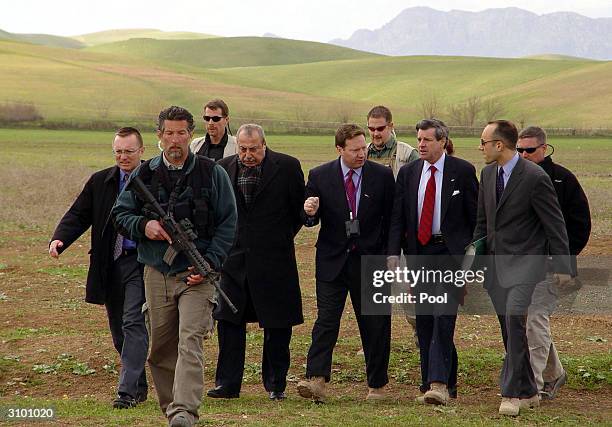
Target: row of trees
x,y
469,113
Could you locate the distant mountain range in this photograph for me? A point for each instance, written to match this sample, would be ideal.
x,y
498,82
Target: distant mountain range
x,y
507,33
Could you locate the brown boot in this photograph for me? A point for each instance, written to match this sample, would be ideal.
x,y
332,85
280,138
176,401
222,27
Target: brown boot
x,y
530,402
377,394
312,388
509,406
437,394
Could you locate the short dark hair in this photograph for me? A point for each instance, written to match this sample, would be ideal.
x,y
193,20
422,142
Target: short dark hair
x,y
127,131
347,131
217,104
175,113
506,131
442,130
381,111
534,132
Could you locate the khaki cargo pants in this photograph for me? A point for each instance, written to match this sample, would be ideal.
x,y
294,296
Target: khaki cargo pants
x,y
179,317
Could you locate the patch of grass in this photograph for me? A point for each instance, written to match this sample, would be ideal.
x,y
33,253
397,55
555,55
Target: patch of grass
x,y
67,272
258,411
23,333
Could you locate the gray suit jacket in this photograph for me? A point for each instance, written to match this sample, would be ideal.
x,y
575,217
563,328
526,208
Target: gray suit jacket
x,y
525,227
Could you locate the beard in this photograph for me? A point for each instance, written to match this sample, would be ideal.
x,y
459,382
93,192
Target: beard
x,y
175,153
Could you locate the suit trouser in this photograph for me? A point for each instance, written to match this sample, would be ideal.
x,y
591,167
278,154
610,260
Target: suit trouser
x,y
232,347
435,323
544,358
180,316
375,331
127,325
511,304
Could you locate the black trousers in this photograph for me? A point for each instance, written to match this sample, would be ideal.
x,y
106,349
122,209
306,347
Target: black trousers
x,y
511,304
275,358
127,325
435,323
375,331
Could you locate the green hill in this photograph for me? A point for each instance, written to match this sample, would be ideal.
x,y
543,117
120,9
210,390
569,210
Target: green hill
x,y
112,84
42,39
111,36
230,51
556,57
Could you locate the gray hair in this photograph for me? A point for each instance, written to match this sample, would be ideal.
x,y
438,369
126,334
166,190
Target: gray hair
x,y
534,132
249,128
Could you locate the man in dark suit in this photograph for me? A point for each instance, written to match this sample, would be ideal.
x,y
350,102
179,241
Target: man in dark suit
x,y
519,214
434,216
260,275
115,277
352,198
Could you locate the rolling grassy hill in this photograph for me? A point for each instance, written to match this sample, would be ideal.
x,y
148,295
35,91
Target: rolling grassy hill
x,y
42,39
230,51
111,36
286,79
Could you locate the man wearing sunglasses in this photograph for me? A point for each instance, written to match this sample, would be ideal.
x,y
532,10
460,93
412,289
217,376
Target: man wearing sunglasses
x,y
385,148
115,276
547,368
217,143
519,214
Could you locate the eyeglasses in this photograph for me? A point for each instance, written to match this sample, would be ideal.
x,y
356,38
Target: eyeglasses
x,y
529,150
126,152
483,142
379,128
213,118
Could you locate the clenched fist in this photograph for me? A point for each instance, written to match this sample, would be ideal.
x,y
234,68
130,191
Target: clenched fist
x,y
311,206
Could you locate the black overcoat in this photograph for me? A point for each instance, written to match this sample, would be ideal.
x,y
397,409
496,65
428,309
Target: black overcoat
x,y
92,209
263,254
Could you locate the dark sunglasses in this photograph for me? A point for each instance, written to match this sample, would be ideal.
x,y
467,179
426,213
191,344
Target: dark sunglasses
x,y
529,150
483,142
379,128
213,118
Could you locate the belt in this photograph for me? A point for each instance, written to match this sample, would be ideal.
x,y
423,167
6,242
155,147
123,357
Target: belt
x,y
436,239
128,252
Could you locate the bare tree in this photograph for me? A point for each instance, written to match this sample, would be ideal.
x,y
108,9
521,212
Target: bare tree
x,y
493,109
430,106
472,109
343,112
456,114
466,113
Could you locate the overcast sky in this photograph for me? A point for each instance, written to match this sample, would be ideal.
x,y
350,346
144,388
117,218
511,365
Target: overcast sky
x,y
318,20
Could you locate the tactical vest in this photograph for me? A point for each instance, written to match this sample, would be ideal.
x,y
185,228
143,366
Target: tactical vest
x,y
195,189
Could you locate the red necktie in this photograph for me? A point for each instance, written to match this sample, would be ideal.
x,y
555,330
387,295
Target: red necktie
x,y
428,208
351,192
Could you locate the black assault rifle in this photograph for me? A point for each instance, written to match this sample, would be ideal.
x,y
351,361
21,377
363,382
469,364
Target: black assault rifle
x,y
182,237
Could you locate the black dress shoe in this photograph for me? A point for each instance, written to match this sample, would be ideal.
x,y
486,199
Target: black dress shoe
x,y
124,401
141,397
220,393
277,395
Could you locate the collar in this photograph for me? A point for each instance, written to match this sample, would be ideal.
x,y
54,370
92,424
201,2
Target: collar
x,y
439,164
122,175
509,166
345,168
